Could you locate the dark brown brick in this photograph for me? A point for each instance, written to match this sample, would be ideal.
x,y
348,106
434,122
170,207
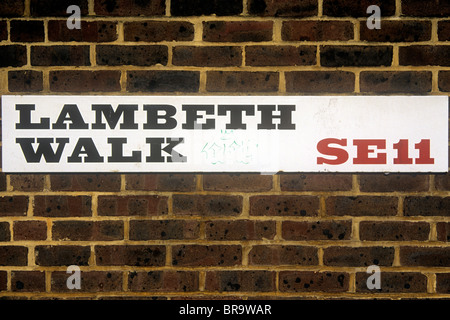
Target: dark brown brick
x,y
350,8
394,231
240,230
358,256
427,206
25,81
83,81
317,31
91,281
164,230
91,31
361,206
13,256
274,205
443,282
396,81
444,81
3,280
13,56
418,8
237,31
397,31
280,55
241,81
2,175
125,8
291,8
183,281
424,55
444,30
316,182
52,8
28,281
87,230
207,205
61,255
155,31
3,30
128,255
205,7
5,234
60,56
237,182
62,206
27,31
161,182
393,182
85,182
240,281
394,282
217,56
320,81
272,255
13,206
443,231
30,230
355,56
144,205
12,8
318,230
163,81
310,281
425,256
115,55
28,182
206,256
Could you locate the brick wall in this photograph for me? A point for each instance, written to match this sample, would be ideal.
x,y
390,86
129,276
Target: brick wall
x,y
239,236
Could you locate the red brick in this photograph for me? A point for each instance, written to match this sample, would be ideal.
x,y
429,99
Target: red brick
x,y
30,230
350,8
317,31
237,182
207,205
161,182
62,206
13,206
444,81
62,255
85,182
91,281
129,255
280,55
155,31
241,81
273,255
3,30
443,282
240,230
144,205
163,81
396,81
397,31
316,182
424,55
164,230
154,281
394,282
240,281
425,256
274,205
418,8
13,56
142,55
358,256
83,81
13,256
28,281
310,281
5,234
320,81
12,8
355,56
237,31
51,8
60,56
216,56
28,182
361,206
394,231
393,182
27,31
427,206
205,7
283,8
206,256
443,231
87,230
3,280
25,81
444,30
125,8
90,31
319,230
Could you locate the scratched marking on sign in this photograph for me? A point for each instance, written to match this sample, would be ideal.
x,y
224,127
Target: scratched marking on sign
x,y
229,149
